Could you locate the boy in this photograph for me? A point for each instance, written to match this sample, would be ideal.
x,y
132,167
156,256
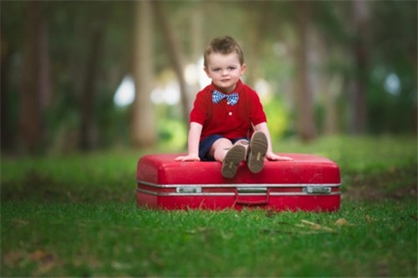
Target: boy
x,y
226,112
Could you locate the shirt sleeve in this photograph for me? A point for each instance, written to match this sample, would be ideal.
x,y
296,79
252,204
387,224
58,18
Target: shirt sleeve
x,y
199,111
257,114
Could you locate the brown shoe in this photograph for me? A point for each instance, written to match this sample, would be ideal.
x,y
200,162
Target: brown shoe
x,y
233,158
257,151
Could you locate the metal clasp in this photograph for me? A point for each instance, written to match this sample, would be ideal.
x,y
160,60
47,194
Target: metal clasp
x,y
189,189
317,189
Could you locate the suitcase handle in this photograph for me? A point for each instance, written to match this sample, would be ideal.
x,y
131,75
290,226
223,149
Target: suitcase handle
x,y
252,203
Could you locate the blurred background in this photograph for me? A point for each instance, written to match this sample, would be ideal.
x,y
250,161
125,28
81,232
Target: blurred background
x,y
89,75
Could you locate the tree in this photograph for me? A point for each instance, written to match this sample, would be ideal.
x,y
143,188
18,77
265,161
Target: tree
x,y
331,47
304,94
35,80
173,48
88,124
254,40
196,35
143,130
358,105
6,129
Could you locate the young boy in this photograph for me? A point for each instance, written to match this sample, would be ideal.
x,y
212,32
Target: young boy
x,y
227,113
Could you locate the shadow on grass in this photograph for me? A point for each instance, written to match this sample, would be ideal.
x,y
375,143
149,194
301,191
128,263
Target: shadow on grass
x,y
395,183
43,188
372,168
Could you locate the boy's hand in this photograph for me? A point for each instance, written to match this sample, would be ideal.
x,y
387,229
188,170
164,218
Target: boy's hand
x,y
189,157
273,156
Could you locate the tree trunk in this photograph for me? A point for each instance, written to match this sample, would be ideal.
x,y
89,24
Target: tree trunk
x,y
358,105
329,84
304,93
7,133
196,52
143,130
331,92
35,81
254,32
174,51
196,34
88,128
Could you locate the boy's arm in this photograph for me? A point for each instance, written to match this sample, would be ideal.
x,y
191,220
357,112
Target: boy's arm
x,y
270,155
195,131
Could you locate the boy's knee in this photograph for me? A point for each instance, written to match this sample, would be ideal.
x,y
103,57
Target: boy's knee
x,y
242,142
222,143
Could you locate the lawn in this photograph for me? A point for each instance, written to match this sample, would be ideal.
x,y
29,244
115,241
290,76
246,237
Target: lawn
x,y
76,216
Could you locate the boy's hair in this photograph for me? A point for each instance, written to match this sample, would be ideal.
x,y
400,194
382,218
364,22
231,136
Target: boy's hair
x,y
223,45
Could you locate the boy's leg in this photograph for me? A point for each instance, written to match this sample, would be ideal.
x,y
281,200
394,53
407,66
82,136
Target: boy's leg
x,y
230,156
257,151
233,158
219,149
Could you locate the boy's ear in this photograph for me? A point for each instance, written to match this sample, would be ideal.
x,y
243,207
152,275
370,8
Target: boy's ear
x,y
243,68
206,71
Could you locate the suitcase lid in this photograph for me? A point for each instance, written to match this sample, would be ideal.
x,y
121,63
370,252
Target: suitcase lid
x,y
303,169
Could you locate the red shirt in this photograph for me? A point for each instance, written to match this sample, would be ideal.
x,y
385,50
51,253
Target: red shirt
x,y
229,121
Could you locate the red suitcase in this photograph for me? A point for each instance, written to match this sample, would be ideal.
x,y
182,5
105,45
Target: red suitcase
x,y
308,183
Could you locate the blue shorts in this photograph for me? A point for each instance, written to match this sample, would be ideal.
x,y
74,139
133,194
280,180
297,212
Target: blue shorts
x,y
205,144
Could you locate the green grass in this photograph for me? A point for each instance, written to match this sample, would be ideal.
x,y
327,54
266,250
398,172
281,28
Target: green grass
x,y
76,216
119,240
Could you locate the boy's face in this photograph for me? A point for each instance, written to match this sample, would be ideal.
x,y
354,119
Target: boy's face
x,y
225,70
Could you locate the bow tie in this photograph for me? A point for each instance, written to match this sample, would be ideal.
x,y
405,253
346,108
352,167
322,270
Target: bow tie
x,y
231,98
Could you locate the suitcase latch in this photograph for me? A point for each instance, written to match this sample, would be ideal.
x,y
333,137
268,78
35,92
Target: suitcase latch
x,y
189,189
317,189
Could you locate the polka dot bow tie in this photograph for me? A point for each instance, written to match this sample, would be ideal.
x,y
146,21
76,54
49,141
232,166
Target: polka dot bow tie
x,y
231,98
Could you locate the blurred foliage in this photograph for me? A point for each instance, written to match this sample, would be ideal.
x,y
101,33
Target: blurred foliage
x,y
392,49
277,118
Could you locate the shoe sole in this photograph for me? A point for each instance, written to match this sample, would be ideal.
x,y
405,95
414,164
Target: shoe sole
x,y
257,152
232,159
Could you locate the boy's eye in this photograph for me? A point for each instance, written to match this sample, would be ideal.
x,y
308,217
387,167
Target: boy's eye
x,y
228,68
